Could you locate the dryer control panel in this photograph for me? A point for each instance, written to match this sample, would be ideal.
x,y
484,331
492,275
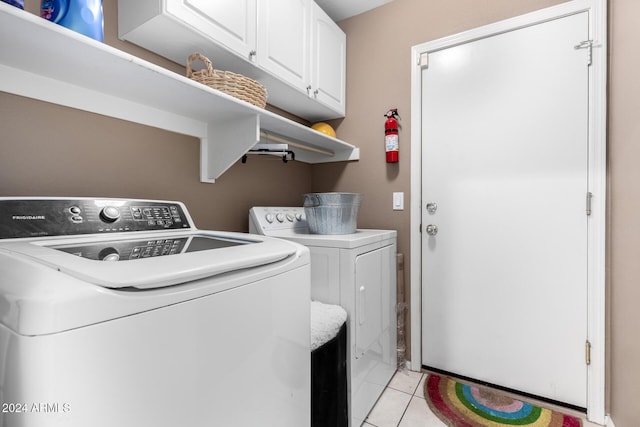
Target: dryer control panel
x,y
264,219
38,217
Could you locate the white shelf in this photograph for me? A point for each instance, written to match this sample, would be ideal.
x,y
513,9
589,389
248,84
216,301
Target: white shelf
x,y
45,61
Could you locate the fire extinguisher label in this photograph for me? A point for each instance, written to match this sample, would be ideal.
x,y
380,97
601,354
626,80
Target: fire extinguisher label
x,y
391,142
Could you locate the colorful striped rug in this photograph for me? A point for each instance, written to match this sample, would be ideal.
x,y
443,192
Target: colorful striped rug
x,y
461,405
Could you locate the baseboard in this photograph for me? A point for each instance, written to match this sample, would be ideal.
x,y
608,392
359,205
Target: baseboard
x,y
609,421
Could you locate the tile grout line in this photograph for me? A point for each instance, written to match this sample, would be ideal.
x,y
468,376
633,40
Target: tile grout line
x,y
407,407
410,399
411,394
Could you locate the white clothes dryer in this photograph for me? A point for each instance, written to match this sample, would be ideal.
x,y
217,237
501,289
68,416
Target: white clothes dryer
x,y
358,272
122,313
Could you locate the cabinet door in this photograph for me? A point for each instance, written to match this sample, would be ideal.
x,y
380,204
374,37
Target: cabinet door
x,y
328,62
375,296
283,39
231,23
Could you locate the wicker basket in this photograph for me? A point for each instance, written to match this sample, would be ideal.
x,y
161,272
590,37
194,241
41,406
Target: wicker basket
x,y
233,84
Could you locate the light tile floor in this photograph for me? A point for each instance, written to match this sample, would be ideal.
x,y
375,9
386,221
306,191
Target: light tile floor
x,y
402,404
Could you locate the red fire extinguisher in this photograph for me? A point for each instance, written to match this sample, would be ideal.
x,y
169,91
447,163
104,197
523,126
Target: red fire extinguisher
x,y
391,135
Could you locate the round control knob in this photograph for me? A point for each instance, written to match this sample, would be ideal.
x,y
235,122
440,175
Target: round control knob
x,y
298,217
109,254
289,217
280,217
269,218
110,214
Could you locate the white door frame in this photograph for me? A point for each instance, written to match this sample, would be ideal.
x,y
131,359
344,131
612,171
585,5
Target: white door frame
x,y
597,10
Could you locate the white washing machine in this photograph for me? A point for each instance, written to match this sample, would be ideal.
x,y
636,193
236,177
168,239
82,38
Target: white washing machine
x,y
122,313
358,272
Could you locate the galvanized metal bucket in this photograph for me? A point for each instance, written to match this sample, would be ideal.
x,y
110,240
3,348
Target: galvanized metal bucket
x,y
332,213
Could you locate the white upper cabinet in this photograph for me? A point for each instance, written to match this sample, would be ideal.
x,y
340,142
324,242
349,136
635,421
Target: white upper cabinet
x,y
290,46
329,50
284,40
229,22
177,28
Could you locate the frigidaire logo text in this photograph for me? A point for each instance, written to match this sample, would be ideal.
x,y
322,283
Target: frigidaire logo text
x,y
27,217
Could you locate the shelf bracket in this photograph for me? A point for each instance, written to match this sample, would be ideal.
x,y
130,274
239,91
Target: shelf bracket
x,y
225,143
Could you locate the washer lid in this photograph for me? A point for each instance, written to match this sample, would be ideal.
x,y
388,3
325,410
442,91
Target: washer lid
x,y
361,237
152,260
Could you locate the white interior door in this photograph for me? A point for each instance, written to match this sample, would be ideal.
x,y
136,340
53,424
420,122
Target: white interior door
x,y
504,146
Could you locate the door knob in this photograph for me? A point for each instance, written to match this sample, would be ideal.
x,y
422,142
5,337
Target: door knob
x,y
432,207
432,230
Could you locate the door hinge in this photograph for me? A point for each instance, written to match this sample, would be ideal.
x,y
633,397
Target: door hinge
x,y
587,352
423,59
420,229
587,44
589,197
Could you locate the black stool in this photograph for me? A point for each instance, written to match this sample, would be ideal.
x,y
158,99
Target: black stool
x,y
329,381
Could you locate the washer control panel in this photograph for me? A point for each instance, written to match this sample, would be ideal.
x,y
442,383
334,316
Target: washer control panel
x,y
264,219
122,250
131,249
26,217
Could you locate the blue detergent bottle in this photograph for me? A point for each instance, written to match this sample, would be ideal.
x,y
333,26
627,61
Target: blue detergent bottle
x,y
82,16
16,3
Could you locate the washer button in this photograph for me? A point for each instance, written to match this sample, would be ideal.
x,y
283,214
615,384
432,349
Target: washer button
x,y
110,214
109,254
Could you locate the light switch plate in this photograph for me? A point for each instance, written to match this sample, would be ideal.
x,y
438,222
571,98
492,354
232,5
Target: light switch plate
x,y
398,201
